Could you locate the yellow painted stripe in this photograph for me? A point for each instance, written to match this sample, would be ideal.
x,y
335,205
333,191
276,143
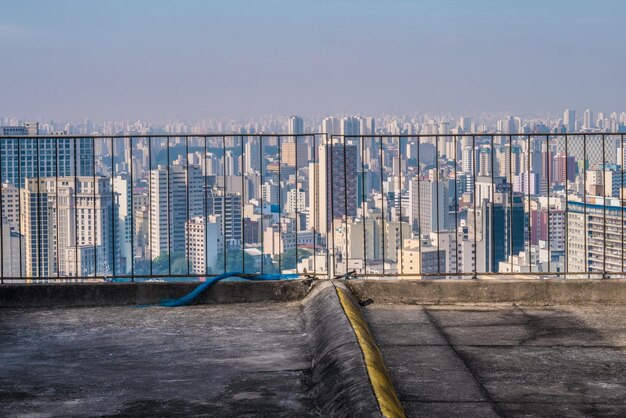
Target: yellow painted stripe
x,y
379,377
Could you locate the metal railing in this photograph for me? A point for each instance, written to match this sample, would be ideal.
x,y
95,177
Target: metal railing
x,y
84,208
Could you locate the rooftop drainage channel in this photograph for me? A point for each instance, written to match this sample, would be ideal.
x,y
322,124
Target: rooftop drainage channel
x,y
347,375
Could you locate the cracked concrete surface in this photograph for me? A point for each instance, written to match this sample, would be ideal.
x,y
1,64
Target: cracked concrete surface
x,y
504,360
227,360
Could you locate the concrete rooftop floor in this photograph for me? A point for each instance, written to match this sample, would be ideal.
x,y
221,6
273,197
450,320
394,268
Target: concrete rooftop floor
x,y
504,360
210,360
534,357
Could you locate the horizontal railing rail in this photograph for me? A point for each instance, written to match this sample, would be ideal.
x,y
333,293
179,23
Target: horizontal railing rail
x,y
180,206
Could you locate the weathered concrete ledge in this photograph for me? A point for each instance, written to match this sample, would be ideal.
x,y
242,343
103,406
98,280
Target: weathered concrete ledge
x,y
529,292
340,383
119,294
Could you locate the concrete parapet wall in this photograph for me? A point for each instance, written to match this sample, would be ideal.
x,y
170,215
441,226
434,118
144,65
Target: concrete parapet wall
x,y
531,292
119,294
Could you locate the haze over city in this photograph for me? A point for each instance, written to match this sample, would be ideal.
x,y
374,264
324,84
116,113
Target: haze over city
x,y
154,60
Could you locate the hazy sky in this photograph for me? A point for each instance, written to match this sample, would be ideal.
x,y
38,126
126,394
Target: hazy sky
x,y
124,59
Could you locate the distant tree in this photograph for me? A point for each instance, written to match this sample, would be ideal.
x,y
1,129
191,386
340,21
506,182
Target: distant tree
x,y
234,260
288,260
161,264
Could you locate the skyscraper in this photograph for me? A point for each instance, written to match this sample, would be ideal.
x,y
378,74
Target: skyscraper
x,y
228,207
467,160
590,246
177,194
499,229
350,126
45,157
87,228
205,242
294,150
569,120
588,121
428,207
337,182
295,125
330,126
465,123
36,228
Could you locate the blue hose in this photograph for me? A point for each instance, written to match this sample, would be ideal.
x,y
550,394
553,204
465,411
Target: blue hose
x,y
190,297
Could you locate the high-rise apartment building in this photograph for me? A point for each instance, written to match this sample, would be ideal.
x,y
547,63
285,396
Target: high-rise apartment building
x,y
37,229
228,207
294,150
177,194
205,238
296,201
331,126
295,125
428,206
349,126
569,120
45,157
497,228
594,244
588,121
337,184
87,225
10,205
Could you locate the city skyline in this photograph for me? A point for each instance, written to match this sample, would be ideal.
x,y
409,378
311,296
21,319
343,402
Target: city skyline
x,y
588,121
437,202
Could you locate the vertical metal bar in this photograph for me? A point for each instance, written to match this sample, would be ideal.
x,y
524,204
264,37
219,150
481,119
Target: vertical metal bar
x,y
621,196
400,205
132,214
56,193
325,227
345,203
511,241
315,201
280,207
437,199
566,222
297,224
150,202
474,164
19,201
604,272
205,172
456,206
585,200
548,172
530,245
331,217
363,205
76,272
419,204
169,209
223,214
262,205
39,228
94,232
382,199
2,217
492,267
243,198
187,202
113,223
